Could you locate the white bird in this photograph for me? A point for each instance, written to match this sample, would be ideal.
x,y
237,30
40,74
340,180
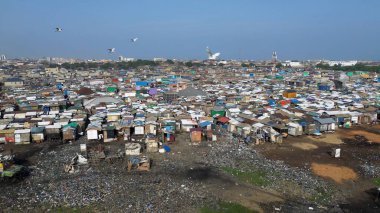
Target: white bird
x,y
111,50
212,56
134,39
57,29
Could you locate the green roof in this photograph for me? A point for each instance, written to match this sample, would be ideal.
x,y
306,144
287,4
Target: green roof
x,y
71,124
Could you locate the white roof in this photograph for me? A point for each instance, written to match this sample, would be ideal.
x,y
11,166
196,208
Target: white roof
x,y
234,110
55,126
31,113
292,124
188,122
258,125
21,131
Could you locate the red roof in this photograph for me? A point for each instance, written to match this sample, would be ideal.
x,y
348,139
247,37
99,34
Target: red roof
x,y
223,119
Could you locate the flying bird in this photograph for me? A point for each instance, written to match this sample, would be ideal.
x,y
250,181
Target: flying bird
x,y
212,56
58,29
134,39
111,50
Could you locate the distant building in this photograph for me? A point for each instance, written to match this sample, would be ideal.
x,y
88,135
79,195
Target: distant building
x,y
3,58
50,71
274,57
13,82
292,64
121,58
342,63
159,59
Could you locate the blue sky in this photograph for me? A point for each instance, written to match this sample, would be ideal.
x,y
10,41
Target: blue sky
x,y
240,29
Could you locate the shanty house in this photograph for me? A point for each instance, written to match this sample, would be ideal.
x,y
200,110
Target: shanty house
x,y
93,131
151,128
294,129
53,132
289,94
187,124
109,133
196,135
7,135
38,134
13,82
22,136
324,124
69,131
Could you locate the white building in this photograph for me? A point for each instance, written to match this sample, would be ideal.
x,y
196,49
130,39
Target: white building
x,y
3,58
159,59
342,63
292,64
121,58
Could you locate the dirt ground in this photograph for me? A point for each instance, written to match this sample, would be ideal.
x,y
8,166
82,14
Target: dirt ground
x,y
338,173
372,137
305,146
223,186
344,172
327,138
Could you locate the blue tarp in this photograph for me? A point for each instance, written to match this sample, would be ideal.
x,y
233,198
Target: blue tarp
x,y
219,103
205,123
142,83
272,102
59,86
323,87
166,148
295,101
168,128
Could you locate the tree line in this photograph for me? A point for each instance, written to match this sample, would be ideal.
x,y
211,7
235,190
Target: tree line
x,y
105,66
356,67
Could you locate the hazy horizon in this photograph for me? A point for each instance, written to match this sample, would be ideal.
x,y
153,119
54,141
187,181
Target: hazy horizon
x,y
252,30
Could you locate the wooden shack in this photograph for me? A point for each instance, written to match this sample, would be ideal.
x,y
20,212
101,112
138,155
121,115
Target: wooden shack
x,y
38,135
53,132
22,136
7,136
196,135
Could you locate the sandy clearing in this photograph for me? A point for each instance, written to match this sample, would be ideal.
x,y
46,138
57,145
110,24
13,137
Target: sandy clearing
x,y
337,173
327,138
305,146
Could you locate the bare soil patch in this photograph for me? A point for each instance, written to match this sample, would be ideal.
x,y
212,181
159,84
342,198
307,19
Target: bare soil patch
x,y
337,173
368,135
305,146
327,138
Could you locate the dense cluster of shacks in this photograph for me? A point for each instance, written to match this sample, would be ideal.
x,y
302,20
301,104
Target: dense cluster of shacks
x,y
149,106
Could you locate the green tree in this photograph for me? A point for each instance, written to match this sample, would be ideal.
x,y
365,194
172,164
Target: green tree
x,y
189,64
